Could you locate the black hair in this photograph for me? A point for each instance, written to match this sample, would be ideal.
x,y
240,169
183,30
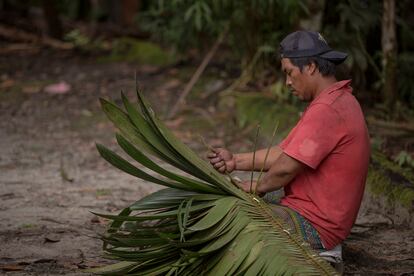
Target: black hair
x,y
326,67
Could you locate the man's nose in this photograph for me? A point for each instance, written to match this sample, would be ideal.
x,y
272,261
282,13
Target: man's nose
x,y
288,82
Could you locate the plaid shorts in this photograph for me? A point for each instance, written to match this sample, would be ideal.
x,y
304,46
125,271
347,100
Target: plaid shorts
x,y
296,223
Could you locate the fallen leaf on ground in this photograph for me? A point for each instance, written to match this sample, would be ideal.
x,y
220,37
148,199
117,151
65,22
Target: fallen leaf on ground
x,y
12,267
86,112
148,69
32,89
7,195
175,123
58,88
7,83
52,238
171,84
89,264
173,72
41,261
95,219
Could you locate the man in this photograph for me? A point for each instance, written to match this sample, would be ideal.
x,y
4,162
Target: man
x,y
322,164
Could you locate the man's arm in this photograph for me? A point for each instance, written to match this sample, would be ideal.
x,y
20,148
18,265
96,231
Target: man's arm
x,y
244,161
224,161
281,172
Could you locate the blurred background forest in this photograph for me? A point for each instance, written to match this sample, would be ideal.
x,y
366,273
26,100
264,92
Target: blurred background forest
x,y
210,68
239,39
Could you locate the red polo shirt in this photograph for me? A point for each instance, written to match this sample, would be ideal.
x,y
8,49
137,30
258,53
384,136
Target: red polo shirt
x,y
331,138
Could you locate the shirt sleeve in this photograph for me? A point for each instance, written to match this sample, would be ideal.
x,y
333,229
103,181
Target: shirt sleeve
x,y
316,135
286,141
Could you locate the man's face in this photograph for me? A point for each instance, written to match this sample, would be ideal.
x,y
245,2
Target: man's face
x,y
297,81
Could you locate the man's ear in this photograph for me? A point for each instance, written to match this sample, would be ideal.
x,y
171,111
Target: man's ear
x,y
311,68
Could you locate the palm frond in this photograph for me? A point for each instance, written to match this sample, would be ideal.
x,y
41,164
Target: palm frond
x,y
202,223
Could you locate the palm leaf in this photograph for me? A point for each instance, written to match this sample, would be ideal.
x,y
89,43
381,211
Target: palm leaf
x,y
202,223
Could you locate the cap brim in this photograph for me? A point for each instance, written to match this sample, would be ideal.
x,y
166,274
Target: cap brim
x,y
334,56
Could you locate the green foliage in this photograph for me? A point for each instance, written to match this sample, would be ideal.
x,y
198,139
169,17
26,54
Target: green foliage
x,y
133,50
392,166
404,159
356,20
200,225
388,179
70,8
358,32
84,43
28,226
186,24
103,192
377,143
381,185
84,10
77,38
266,109
406,78
405,24
353,26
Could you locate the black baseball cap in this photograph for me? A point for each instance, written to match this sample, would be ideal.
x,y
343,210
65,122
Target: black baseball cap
x,y
308,44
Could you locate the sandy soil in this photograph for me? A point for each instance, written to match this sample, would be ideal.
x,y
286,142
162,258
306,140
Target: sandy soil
x,y
51,176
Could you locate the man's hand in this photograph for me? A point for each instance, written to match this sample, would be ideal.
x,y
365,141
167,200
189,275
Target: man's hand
x,y
249,187
222,160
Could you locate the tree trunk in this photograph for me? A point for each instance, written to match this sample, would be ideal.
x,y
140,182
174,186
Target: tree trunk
x,y
314,21
129,10
53,24
389,53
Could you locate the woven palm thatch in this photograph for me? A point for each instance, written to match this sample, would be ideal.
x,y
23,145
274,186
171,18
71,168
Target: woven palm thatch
x,y
201,224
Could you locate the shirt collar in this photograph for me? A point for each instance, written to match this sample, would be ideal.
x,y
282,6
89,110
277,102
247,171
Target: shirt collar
x,y
343,85
338,85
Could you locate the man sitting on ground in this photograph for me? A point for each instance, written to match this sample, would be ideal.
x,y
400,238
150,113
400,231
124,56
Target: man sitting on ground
x,y
322,164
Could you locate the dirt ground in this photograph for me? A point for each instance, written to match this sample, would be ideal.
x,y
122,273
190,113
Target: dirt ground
x,y
51,176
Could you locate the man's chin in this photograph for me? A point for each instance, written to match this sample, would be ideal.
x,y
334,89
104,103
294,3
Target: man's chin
x,y
302,99
299,96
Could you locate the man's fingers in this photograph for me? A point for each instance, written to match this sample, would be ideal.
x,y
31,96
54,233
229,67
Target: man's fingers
x,y
217,157
214,151
211,154
219,164
245,186
216,160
